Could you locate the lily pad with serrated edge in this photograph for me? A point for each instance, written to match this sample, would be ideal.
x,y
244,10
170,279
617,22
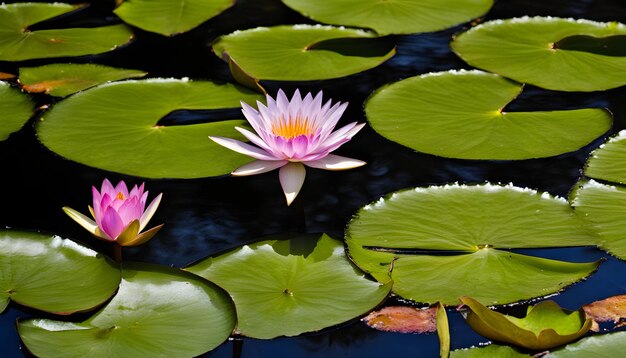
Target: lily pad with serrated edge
x,y
302,52
15,109
597,346
609,161
63,79
443,242
288,287
392,17
170,17
459,114
492,350
527,50
18,43
114,127
53,274
158,311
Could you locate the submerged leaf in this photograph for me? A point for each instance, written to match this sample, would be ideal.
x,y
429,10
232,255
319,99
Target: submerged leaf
x,y
403,319
612,309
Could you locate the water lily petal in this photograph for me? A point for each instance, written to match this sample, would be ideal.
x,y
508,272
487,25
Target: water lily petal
x,y
253,117
112,224
255,139
282,102
243,148
129,234
81,219
144,236
121,188
340,137
332,117
137,191
147,215
258,167
107,188
130,210
291,179
335,162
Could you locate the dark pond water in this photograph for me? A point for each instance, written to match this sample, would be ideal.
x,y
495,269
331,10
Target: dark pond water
x,y
206,216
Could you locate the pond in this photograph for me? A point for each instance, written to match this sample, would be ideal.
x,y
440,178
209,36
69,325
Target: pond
x,y
207,215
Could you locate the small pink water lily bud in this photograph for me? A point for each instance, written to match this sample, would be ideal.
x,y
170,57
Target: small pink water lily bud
x,y
119,215
290,135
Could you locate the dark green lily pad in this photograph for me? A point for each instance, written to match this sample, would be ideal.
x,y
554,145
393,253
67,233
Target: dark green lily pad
x,y
526,50
158,311
609,161
15,109
53,274
545,326
605,207
417,237
392,17
289,53
63,79
114,127
288,287
18,43
170,17
492,350
458,114
599,346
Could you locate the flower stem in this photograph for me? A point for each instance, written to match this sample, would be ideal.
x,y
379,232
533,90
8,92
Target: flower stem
x,y
117,252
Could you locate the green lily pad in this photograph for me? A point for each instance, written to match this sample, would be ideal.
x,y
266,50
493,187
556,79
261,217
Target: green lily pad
x,y
392,17
15,109
527,50
158,311
301,52
115,127
458,114
443,331
64,79
609,161
170,17
417,237
53,274
492,350
545,326
18,43
605,207
287,287
599,346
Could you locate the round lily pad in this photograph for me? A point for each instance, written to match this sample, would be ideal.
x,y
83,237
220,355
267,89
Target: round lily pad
x,y
443,242
605,207
18,43
15,109
492,350
158,311
598,346
170,17
63,79
609,161
115,127
531,50
53,274
393,17
301,52
287,287
459,114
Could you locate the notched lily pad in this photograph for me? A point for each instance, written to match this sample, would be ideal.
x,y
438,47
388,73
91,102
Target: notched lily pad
x,y
15,109
287,53
53,274
18,43
609,161
158,311
547,52
418,236
288,287
403,319
459,114
64,79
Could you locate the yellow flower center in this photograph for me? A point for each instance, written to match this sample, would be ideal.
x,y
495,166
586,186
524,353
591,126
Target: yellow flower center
x,y
120,196
294,128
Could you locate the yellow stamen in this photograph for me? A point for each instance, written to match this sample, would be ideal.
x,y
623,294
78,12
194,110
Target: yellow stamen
x,y
120,196
293,128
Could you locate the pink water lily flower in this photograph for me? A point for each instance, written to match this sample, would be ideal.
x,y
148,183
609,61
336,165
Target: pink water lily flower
x,y
291,134
119,215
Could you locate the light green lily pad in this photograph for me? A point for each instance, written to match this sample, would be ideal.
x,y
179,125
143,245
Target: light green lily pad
x,y
53,274
492,350
158,311
15,109
545,326
301,52
392,17
598,346
63,79
526,49
288,287
443,242
18,43
609,161
605,207
114,127
458,114
170,17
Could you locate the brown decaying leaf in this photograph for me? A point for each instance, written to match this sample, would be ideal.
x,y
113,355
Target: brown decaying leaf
x,y
6,76
403,319
612,309
43,87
